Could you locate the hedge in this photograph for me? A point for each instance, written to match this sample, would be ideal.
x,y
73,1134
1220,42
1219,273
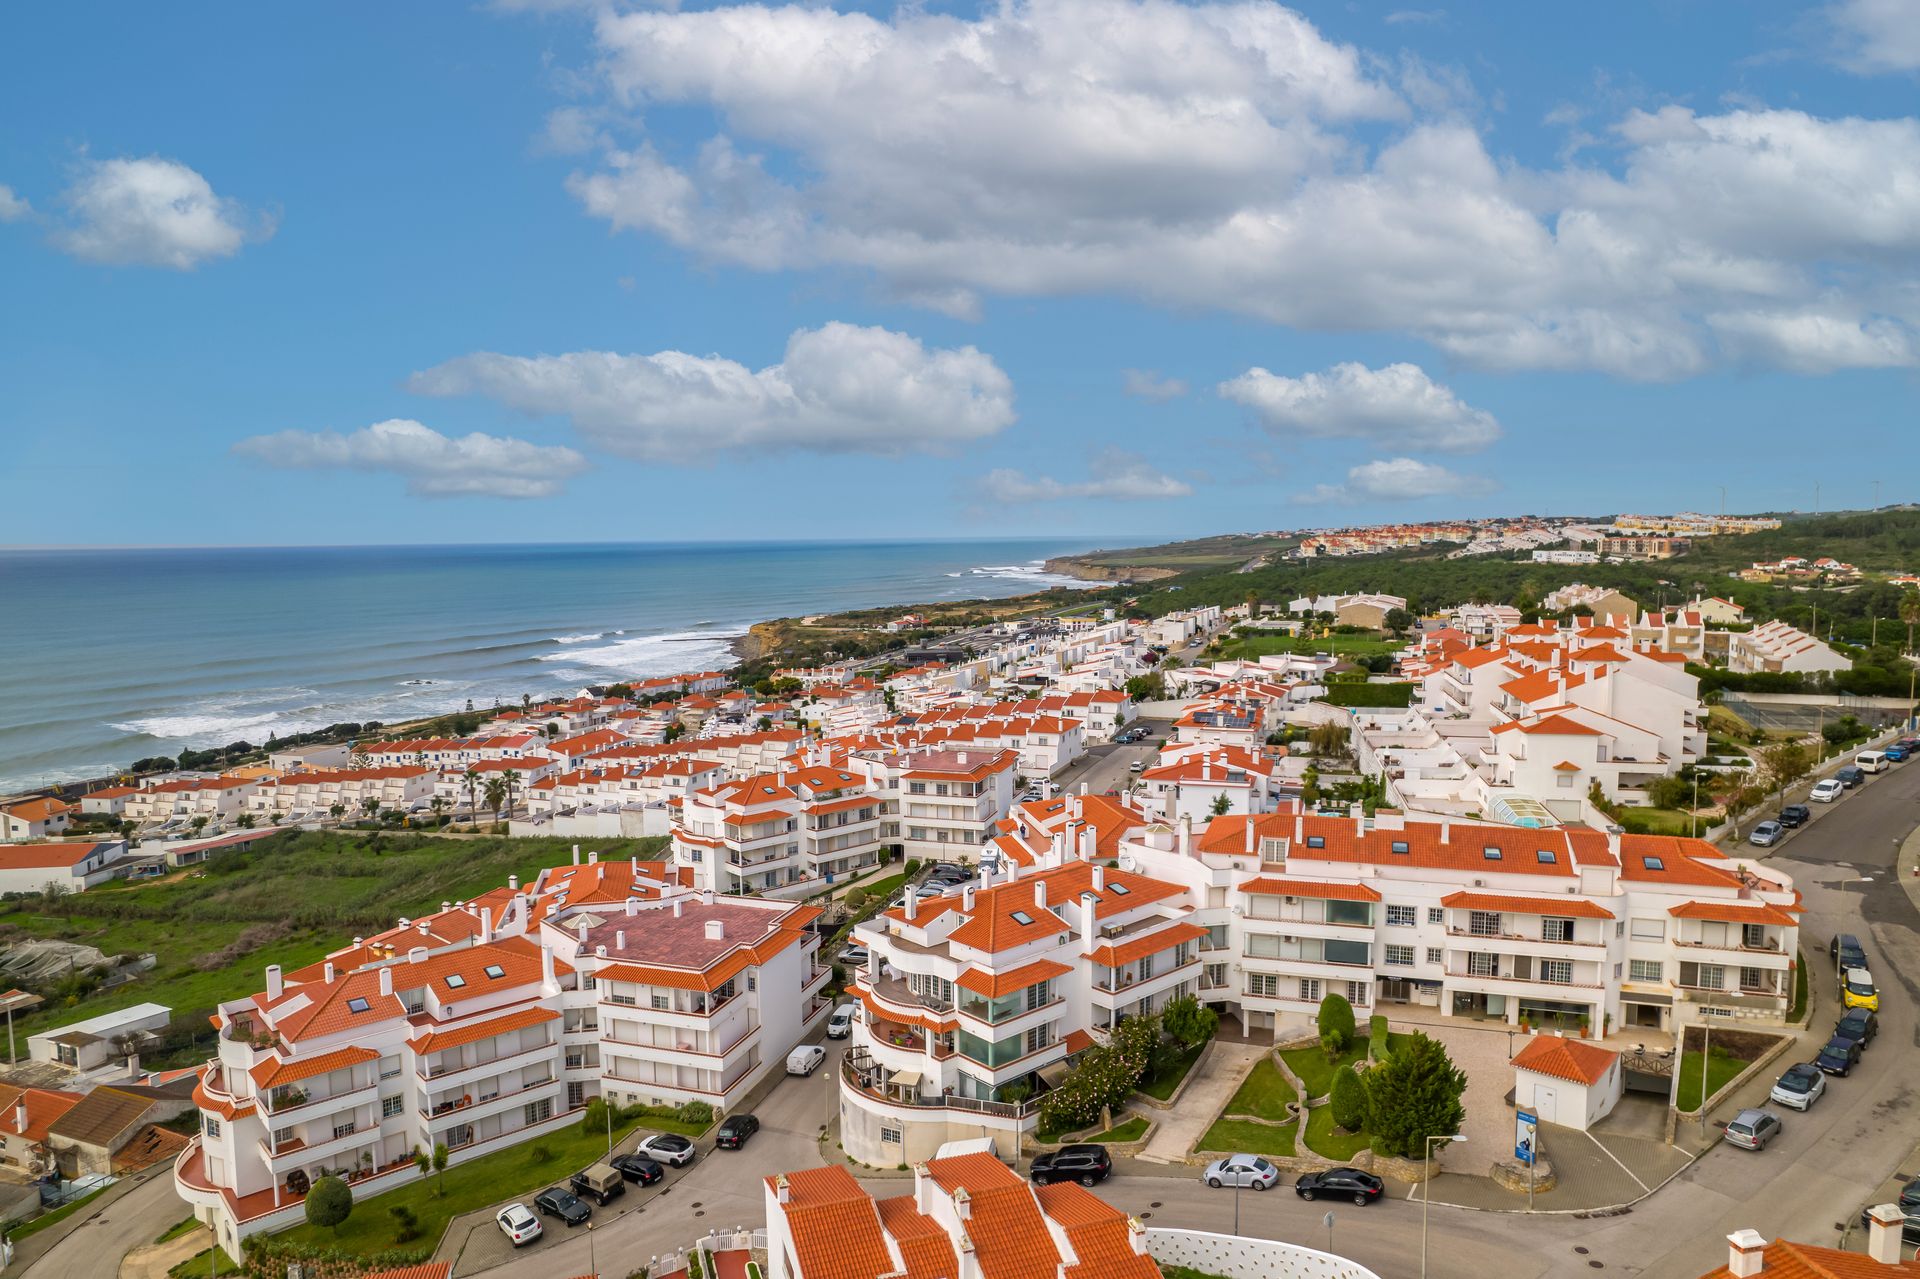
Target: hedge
x,y
1377,1037
1383,696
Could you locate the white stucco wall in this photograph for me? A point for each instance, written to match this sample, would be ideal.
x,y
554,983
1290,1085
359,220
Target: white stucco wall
x,y
1237,1257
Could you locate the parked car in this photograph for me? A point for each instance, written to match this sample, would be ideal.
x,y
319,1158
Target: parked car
x,y
1827,790
1850,776
1909,1229
1795,815
1800,1086
1341,1183
805,1059
1087,1164
1839,1057
1857,989
1240,1170
638,1168
1860,1024
1752,1129
1895,754
556,1201
1138,766
669,1148
855,956
1846,952
518,1224
600,1182
735,1130
840,1021
1766,834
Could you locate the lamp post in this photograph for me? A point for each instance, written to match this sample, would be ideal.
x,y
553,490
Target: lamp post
x,y
607,1106
1327,1221
1426,1196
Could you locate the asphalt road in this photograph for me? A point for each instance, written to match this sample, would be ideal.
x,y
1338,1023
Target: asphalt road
x,y
1108,767
137,1217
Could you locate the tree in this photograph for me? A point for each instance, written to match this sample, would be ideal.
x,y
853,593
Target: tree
x,y
244,821
329,1203
1221,804
1336,1023
1413,1095
1329,738
512,779
276,817
1738,795
439,806
496,795
1398,620
472,785
1146,688
1348,1099
337,811
1188,1021
440,1165
199,824
1910,612
1785,764
370,805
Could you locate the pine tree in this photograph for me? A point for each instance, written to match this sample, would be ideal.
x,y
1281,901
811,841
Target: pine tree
x,y
1348,1098
1412,1095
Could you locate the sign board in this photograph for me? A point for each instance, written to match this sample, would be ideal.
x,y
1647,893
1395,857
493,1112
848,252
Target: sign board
x,y
1526,1136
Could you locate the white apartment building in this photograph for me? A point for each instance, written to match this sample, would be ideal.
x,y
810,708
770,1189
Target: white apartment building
x,y
950,802
299,795
619,786
1596,601
1566,557
35,818
1485,621
972,998
183,799
68,866
1175,630
1485,922
490,1023
786,831
1191,780
1778,647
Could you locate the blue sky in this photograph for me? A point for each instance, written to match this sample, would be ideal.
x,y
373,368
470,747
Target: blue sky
x,y
559,272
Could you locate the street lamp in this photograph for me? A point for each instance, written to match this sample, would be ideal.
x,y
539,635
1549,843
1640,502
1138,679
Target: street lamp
x,y
1327,1221
1426,1196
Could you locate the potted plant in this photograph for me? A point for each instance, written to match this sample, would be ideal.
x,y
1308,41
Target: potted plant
x,y
1584,1024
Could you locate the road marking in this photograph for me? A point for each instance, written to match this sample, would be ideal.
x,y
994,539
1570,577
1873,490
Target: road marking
x,y
1616,1159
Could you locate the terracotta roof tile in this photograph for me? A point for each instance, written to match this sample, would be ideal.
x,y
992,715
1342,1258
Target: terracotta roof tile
x,y
1570,1059
1280,886
1147,944
994,985
1574,907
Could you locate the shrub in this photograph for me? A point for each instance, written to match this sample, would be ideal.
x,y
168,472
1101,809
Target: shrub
x,y
1379,1039
329,1203
1336,1023
541,1153
1189,1021
1412,1095
1348,1099
1106,1076
406,1224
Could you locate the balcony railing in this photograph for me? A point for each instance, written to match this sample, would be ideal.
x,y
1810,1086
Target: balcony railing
x,y
1535,980
1470,935
867,1081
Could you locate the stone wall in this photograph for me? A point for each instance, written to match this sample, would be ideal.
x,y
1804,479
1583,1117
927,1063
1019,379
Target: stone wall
x,y
1237,1257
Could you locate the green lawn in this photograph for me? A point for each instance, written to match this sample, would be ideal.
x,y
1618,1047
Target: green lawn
x,y
1241,1136
1324,1139
1662,821
1132,1130
196,1266
1160,1084
46,1219
288,901
1265,1094
515,1172
1719,1075
179,1228
1315,1071
1253,647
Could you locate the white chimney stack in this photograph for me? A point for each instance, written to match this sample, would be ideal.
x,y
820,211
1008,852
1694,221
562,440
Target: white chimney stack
x,y
1099,879
1249,834
679,904
486,924
716,930
1745,1254
1883,1233
576,854
274,985
329,972
580,932
599,952
20,1114
967,896
549,980
913,900
386,980
1087,903
513,883
1185,833
780,1188
423,928
619,939
1040,893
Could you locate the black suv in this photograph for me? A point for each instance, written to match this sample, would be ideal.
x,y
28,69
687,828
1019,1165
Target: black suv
x,y
1860,1024
637,1167
1839,1056
1846,952
563,1204
1086,1164
1794,815
1341,1183
1849,776
735,1130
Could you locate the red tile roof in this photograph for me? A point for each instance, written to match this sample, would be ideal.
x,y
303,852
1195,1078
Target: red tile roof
x,y
1147,944
1576,907
486,1028
274,1072
1281,886
1733,912
1783,1259
1570,1059
994,985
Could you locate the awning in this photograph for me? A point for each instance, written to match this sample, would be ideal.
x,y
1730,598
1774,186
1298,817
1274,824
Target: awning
x,y
906,1079
1053,1074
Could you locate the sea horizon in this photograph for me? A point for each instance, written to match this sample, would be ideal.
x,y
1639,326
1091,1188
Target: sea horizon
x,y
123,653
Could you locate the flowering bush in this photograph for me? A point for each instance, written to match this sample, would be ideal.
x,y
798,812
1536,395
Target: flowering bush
x,y
1105,1077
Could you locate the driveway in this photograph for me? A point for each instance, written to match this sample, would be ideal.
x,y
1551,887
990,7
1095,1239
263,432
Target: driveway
x,y
94,1240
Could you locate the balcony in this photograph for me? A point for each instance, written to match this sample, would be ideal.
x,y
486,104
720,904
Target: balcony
x,y
866,1078
1509,979
283,1103
892,990
1533,943
1112,982
1771,948
470,1107
443,1070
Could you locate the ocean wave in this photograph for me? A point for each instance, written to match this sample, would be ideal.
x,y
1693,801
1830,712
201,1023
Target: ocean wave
x,y
1033,572
210,727
582,639
668,653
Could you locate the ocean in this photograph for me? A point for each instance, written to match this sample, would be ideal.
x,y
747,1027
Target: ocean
x,y
110,655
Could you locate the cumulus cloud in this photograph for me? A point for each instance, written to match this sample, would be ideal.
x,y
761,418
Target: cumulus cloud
x,y
12,207
1398,479
1228,155
1145,384
152,212
1397,406
1114,475
434,465
1876,36
839,389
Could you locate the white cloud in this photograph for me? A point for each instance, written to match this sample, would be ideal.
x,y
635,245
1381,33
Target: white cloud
x,y
1875,36
152,212
1811,342
434,465
1146,384
839,389
1227,155
1398,479
1423,16
1114,475
12,207
1397,406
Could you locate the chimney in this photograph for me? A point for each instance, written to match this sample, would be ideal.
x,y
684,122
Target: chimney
x,y
1613,842
1745,1254
923,1190
599,952
513,883
633,907
274,985
1089,842
1185,836
386,980
716,930
423,928
593,858
486,924
1099,879
1087,903
962,1203
446,906
967,898
1249,834
580,931
780,1189
329,972
706,897
679,905
576,854
1300,824
1137,1236
1883,1234
1040,893
913,900
20,1114
619,939
549,980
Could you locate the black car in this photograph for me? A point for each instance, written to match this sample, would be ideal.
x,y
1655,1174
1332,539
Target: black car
x,y
1840,1056
638,1168
1860,1024
1794,815
563,1204
1340,1183
735,1130
1849,776
1846,952
1086,1164
1909,1229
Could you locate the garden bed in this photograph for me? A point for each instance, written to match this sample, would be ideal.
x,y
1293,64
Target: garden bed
x,y
1324,1138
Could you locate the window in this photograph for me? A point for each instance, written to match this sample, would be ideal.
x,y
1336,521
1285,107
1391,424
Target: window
x,y
1433,955
1557,971
494,971
661,1002
751,984
1399,957
391,1106
1491,853
1649,929
455,980
1358,992
1482,965
1021,917
576,1096
1402,917
1564,781
1646,970
357,1005
537,1112
1039,1037
1346,952
1216,938
1544,856
390,1066
1339,912
1316,841
1400,846
1436,915
1273,850
1653,863
1556,929
1484,923
1118,890
1750,979
210,1125
1263,985
890,1133
1310,989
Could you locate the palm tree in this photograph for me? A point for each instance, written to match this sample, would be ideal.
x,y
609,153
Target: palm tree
x,y
439,807
496,793
338,811
512,779
1910,612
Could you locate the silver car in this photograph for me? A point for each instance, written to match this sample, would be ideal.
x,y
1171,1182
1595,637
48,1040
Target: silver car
x,y
1753,1129
1241,1170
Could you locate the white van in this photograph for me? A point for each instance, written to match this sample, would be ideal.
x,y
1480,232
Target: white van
x,y
1871,762
805,1059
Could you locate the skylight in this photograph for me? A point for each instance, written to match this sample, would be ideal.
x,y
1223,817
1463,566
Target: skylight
x,y
1653,863
455,980
1400,846
1120,889
357,1005
1491,853
1544,856
494,970
1021,917
1316,841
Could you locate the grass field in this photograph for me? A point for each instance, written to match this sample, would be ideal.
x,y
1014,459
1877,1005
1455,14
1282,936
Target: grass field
x,y
1265,1094
288,901
1243,1136
1324,1139
1132,1130
1719,1075
1159,1085
1316,1071
1662,821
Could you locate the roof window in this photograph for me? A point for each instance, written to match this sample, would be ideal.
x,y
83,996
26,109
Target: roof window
x,y
1491,853
1544,856
455,980
1119,889
357,1005
1021,917
1316,841
1400,846
1653,863
494,970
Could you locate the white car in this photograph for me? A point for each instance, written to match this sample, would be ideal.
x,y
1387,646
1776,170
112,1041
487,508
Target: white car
x,y
1241,1170
805,1059
518,1223
854,956
1800,1087
840,1021
667,1148
1827,791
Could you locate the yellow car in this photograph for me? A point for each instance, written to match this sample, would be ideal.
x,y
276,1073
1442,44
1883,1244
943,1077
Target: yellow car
x,y
1857,990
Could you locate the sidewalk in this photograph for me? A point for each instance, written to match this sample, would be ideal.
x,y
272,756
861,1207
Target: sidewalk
x,y
1180,1129
155,1260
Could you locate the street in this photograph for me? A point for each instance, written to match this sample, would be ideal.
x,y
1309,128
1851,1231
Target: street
x,y
1107,766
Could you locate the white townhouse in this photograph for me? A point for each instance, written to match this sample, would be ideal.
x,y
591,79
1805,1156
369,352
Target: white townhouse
x,y
785,832
950,802
1173,630
1778,647
489,1023
1554,928
64,866
183,799
1485,621
972,1001
36,818
1193,779
295,795
617,786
